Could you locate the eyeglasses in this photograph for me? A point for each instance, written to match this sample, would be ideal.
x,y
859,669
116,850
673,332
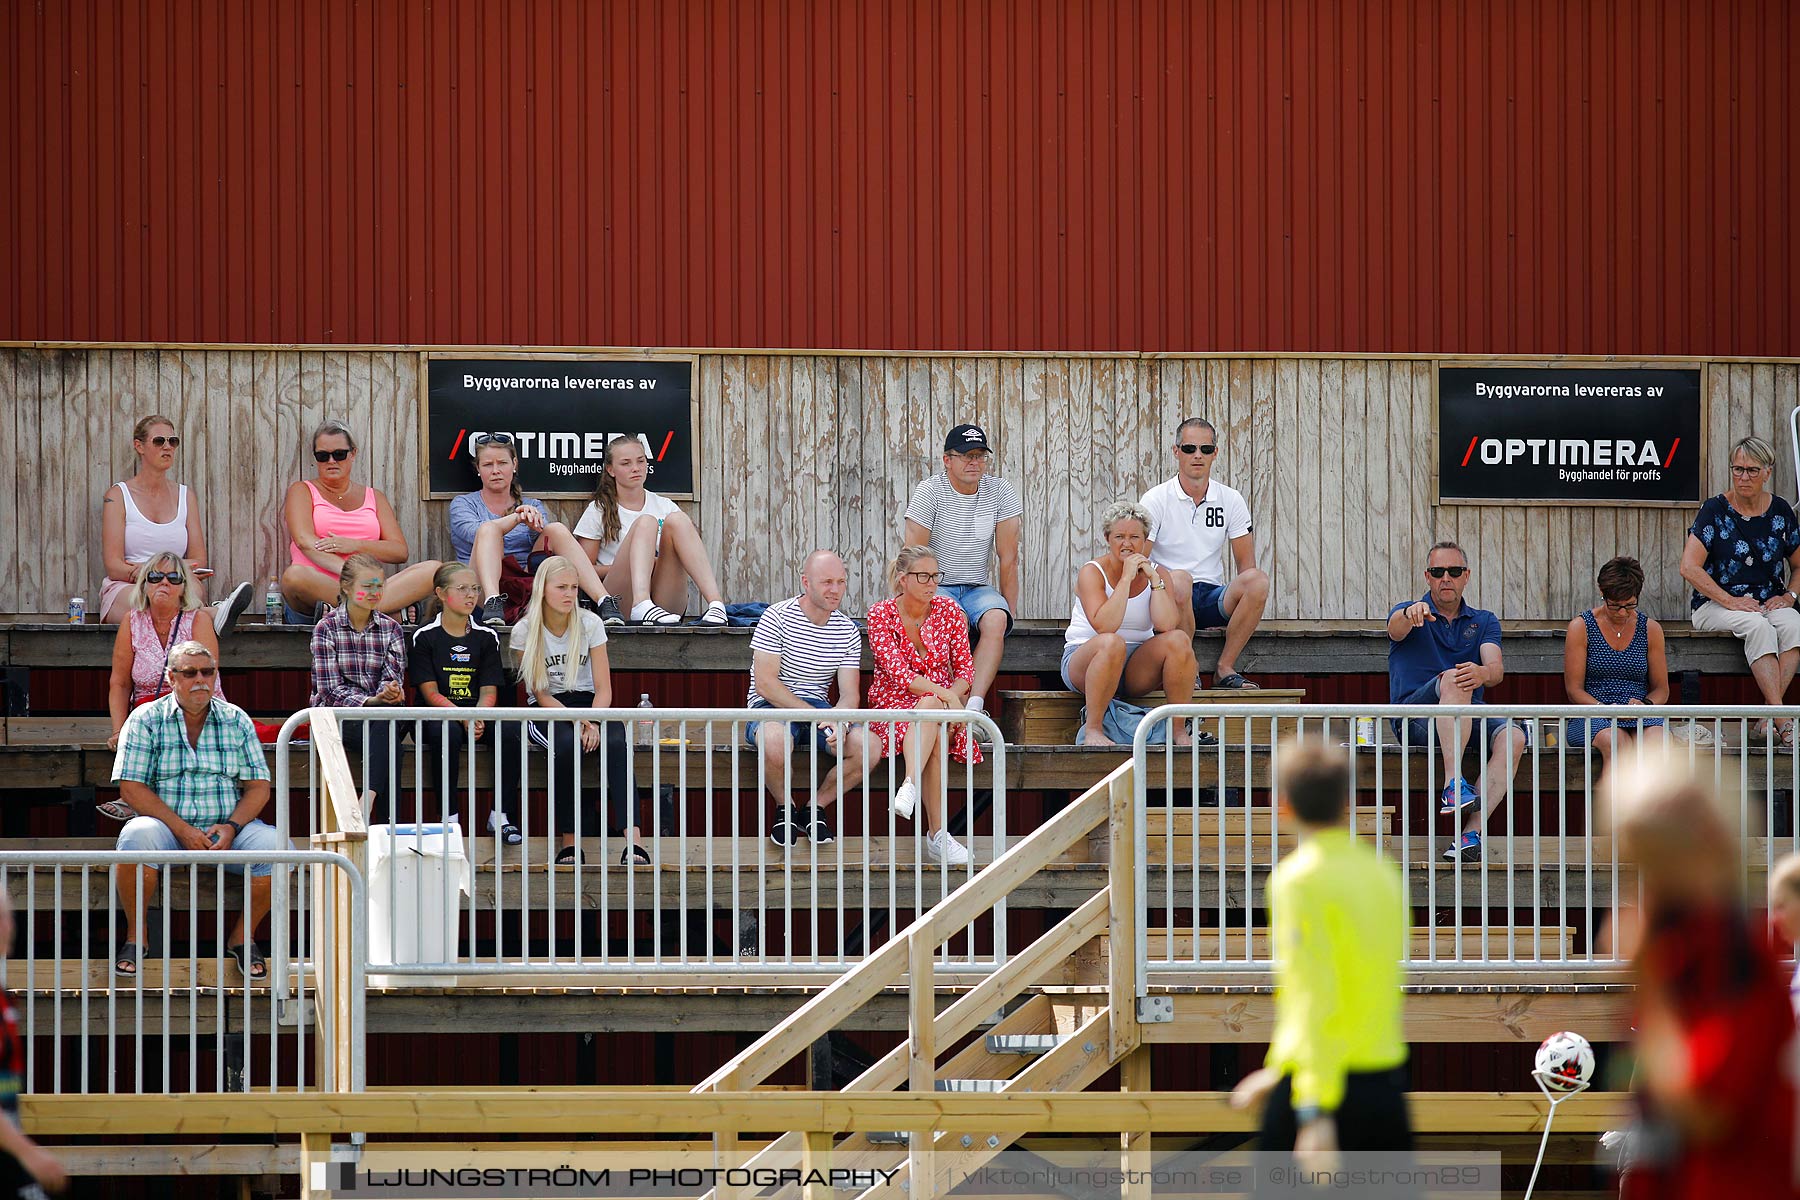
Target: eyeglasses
x,y
195,672
1746,472
1452,572
496,439
1627,606
331,455
1198,448
926,576
171,441
980,456
164,577
473,589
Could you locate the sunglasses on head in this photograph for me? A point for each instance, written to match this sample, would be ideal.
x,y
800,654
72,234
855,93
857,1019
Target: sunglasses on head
x,y
170,440
1452,572
195,672
164,577
331,455
1197,447
500,439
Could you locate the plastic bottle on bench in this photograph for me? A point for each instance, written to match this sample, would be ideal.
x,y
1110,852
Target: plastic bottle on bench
x,y
646,729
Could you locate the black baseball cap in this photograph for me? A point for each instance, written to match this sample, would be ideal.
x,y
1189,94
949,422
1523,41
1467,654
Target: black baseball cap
x,y
965,438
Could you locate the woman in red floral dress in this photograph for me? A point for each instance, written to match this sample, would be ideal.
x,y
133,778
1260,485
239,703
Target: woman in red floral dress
x,y
920,642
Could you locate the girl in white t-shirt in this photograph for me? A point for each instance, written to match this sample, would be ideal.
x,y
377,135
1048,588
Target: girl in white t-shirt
x,y
560,652
644,547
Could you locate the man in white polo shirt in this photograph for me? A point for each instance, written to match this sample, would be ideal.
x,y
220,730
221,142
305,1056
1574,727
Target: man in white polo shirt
x,y
799,647
970,518
1193,518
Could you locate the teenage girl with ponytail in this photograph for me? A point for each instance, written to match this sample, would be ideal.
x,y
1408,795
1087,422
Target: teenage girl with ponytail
x,y
646,549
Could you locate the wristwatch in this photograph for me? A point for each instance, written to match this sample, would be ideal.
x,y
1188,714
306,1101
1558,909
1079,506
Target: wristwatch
x,y
1158,586
235,827
1306,1114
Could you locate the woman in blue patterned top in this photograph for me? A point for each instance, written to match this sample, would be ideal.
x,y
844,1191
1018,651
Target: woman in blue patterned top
x,y
1740,553
1614,655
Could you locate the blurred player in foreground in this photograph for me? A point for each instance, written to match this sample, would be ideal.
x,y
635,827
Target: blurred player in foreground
x,y
1714,1019
1335,1077
27,1170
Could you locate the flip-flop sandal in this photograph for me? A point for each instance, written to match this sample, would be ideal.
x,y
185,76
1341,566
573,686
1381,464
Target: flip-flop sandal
x,y
126,962
117,810
1235,682
568,856
634,856
257,968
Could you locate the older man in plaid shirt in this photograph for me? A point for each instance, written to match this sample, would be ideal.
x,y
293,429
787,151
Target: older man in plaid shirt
x,y
192,768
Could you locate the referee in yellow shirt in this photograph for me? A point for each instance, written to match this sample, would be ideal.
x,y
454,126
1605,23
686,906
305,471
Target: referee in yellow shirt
x,y
1335,1077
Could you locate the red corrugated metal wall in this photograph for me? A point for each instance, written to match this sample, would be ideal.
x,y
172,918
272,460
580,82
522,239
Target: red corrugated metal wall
x,y
1534,176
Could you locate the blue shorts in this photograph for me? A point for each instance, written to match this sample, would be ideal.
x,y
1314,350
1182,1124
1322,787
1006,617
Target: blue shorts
x,y
976,599
146,834
1418,729
1581,730
796,729
1207,613
1131,648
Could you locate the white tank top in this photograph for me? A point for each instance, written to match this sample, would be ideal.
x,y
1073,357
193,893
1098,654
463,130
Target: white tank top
x,y
144,537
1136,628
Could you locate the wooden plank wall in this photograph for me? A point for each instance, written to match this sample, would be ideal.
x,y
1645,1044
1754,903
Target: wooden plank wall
x,y
807,450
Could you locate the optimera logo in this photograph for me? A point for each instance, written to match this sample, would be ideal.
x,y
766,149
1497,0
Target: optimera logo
x,y
1569,452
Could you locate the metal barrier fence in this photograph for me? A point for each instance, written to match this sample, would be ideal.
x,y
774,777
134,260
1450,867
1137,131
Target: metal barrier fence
x,y
700,888
188,1020
1537,893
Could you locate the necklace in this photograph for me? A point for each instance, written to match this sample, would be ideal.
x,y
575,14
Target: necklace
x,y
337,495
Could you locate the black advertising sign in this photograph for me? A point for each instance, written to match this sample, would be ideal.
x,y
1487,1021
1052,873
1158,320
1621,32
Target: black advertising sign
x,y
1569,435
561,412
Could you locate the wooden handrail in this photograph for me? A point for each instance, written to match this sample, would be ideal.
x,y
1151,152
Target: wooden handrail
x,y
863,982
344,809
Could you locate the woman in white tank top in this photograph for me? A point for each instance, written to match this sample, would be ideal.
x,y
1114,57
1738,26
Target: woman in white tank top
x,y
151,514
1125,629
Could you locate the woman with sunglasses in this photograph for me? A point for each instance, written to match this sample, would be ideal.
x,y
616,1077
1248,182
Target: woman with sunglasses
x,y
333,517
1740,555
164,611
1614,655
644,547
505,535
152,514
1125,635
920,643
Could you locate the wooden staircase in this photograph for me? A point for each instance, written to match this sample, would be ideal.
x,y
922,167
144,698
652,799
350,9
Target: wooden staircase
x,y
1046,1044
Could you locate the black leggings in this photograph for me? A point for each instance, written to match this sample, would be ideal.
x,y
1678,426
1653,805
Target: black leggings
x,y
1372,1117
604,772
446,745
379,744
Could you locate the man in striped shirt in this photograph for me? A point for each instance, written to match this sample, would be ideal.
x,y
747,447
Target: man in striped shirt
x,y
969,518
799,646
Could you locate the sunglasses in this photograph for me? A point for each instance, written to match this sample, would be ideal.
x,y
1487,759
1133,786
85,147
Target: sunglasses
x,y
1197,448
1452,572
195,672
171,441
165,577
331,455
926,576
501,439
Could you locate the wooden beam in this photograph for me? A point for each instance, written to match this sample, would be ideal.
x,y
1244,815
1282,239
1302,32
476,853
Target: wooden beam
x,y
1522,1019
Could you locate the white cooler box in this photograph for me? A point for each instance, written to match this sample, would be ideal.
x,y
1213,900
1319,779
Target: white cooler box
x,y
418,876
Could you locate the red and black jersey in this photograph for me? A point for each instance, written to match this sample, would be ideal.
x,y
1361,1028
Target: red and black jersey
x,y
12,1057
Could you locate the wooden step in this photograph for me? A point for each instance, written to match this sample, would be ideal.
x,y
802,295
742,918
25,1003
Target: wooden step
x,y
1049,718
72,975
1030,1044
1551,942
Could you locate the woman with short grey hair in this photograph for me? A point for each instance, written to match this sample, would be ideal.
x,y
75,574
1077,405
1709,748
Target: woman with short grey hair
x,y
1125,633
1740,556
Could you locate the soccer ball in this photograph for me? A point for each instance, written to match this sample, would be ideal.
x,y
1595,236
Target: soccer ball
x,y
1565,1062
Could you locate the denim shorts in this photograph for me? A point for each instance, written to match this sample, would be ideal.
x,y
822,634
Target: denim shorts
x,y
1418,729
1131,648
1207,613
796,729
977,599
148,833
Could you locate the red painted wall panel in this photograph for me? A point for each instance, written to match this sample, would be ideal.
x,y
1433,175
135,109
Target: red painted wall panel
x,y
1533,177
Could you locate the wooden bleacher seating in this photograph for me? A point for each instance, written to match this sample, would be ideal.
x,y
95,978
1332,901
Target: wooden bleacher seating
x,y
1049,718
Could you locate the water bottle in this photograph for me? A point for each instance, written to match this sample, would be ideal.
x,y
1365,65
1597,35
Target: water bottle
x,y
274,607
646,729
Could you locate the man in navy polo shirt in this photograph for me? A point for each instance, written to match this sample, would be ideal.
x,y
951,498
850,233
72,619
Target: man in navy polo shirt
x,y
1442,651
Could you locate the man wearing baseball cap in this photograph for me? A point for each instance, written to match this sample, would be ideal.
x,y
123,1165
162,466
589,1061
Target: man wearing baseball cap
x,y
969,518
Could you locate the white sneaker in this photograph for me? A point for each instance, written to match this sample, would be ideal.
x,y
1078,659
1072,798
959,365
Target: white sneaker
x,y
941,847
905,800
228,610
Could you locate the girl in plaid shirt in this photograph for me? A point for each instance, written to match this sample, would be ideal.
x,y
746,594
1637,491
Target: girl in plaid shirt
x,y
359,661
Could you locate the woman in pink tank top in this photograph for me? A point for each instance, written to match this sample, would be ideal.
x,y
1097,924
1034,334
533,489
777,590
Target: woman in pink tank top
x,y
331,517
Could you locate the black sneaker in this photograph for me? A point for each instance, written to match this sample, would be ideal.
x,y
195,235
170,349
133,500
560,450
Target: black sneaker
x,y
493,612
609,612
820,829
588,602
784,830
